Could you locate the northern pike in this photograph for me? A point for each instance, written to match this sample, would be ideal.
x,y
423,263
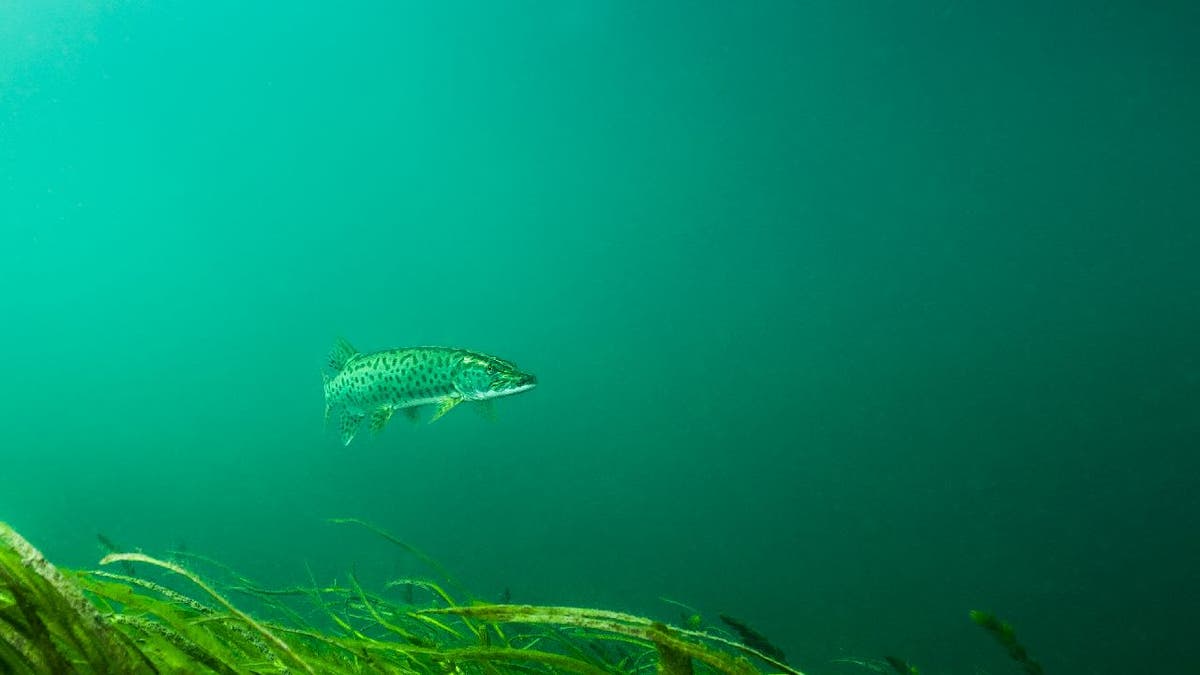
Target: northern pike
x,y
377,384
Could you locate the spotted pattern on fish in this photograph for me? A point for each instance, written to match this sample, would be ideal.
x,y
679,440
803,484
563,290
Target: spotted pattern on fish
x,y
375,385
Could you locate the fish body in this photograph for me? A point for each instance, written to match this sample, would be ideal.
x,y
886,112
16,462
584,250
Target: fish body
x,y
377,384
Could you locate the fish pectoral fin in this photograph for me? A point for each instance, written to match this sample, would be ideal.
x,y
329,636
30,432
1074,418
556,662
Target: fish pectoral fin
x,y
445,406
412,413
379,418
350,422
486,409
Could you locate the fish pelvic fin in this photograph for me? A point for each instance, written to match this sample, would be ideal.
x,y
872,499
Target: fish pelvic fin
x,y
486,409
341,353
444,406
350,422
379,419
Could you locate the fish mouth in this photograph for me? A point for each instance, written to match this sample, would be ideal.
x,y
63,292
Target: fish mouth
x,y
522,387
525,383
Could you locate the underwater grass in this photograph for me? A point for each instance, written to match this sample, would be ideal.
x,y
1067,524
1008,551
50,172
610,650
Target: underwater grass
x,y
154,615
1003,632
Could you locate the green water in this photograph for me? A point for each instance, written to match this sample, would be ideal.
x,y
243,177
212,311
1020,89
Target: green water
x,y
848,318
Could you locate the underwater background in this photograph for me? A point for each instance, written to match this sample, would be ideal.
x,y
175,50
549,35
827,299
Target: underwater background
x,y
848,318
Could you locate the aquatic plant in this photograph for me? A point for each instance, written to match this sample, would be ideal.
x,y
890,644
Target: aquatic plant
x,y
168,618
752,637
690,616
901,666
46,623
1004,634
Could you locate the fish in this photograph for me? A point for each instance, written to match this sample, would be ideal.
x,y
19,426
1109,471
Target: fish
x,y
377,384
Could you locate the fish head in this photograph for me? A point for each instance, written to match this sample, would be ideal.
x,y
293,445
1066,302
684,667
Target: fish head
x,y
481,377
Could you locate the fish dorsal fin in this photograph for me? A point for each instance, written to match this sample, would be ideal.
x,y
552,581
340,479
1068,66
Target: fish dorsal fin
x,y
350,422
379,418
341,353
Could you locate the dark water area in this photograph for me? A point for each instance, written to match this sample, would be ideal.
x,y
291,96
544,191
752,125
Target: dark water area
x,y
848,318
